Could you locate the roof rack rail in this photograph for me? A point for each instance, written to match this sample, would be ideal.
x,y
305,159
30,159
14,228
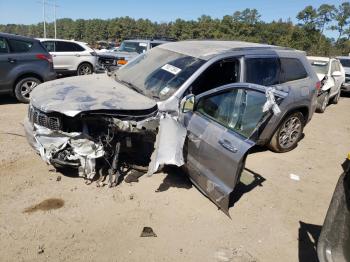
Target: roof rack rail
x,y
156,37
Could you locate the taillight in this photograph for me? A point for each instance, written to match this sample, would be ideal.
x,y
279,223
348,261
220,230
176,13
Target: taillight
x,y
318,85
46,57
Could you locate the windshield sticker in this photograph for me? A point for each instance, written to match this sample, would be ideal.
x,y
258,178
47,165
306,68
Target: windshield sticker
x,y
171,69
164,91
143,44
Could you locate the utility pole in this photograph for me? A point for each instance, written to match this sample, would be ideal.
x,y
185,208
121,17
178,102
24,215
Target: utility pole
x,y
44,18
54,14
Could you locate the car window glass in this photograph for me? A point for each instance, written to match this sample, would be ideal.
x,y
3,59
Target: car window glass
x,y
239,110
337,67
3,46
292,69
220,73
49,45
20,46
68,47
345,62
263,71
333,67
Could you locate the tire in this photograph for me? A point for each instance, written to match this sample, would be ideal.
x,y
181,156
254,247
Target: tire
x,y
24,87
288,134
335,100
84,69
324,101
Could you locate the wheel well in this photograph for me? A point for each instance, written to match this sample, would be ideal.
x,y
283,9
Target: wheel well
x,y
85,63
19,78
303,110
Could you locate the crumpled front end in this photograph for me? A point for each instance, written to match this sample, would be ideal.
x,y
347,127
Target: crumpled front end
x,y
106,143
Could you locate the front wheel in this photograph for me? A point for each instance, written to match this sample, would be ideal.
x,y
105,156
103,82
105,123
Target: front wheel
x,y
322,102
288,133
24,87
84,69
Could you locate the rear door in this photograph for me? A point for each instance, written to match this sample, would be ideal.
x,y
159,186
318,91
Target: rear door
x,y
65,56
221,131
6,65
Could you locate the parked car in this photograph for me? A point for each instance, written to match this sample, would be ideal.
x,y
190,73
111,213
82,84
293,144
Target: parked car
x,y
128,50
71,57
24,64
332,76
222,97
334,242
345,61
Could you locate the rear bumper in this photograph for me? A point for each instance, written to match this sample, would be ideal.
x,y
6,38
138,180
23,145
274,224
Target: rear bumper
x,y
50,76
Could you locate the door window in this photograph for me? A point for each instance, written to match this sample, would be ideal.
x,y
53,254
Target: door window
x,y
68,47
262,71
3,46
49,45
20,46
238,109
333,67
219,74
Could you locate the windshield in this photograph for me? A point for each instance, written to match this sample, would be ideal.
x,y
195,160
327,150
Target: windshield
x,y
159,72
345,62
321,67
133,47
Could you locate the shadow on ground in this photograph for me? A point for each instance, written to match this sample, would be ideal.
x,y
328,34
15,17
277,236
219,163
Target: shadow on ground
x,y
244,186
175,177
7,100
308,238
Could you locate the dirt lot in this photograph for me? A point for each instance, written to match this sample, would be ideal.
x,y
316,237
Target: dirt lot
x,y
273,218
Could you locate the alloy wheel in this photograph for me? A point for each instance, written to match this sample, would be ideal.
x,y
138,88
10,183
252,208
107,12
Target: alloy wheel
x,y
290,132
28,87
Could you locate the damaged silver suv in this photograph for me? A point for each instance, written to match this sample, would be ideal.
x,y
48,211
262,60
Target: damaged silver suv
x,y
198,104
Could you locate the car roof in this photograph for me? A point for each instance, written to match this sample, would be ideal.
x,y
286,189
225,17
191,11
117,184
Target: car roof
x,y
344,57
319,58
206,49
57,39
147,41
17,36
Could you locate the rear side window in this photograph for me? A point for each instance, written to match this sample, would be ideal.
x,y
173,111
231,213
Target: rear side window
x,y
292,69
68,47
3,46
345,62
49,45
20,46
262,71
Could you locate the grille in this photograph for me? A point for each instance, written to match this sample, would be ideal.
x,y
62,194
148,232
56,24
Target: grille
x,y
41,119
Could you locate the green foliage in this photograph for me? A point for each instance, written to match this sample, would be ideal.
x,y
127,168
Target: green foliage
x,y
245,25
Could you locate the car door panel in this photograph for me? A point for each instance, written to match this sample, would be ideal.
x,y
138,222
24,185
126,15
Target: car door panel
x,y
215,156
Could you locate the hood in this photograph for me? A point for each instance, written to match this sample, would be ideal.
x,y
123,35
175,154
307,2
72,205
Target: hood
x,y
320,76
73,95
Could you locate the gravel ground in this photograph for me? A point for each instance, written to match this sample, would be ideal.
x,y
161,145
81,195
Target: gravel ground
x,y
46,216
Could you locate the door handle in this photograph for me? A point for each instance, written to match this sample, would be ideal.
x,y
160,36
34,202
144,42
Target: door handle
x,y
77,55
11,60
227,145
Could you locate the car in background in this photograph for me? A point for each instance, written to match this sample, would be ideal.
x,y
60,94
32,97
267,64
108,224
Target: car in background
x,y
332,76
24,64
71,57
345,61
128,50
334,241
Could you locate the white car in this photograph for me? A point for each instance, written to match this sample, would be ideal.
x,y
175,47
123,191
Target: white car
x,y
332,76
71,56
345,62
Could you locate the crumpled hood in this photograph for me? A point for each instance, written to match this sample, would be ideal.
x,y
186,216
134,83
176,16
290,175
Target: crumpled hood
x,y
73,95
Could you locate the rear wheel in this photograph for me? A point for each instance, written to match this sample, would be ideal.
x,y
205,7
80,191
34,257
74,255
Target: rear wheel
x,y
24,87
323,103
84,69
288,133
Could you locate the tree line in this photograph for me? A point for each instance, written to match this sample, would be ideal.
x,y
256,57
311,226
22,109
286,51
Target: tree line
x,y
246,25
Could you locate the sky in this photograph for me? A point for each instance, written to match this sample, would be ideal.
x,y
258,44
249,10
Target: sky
x,y
30,11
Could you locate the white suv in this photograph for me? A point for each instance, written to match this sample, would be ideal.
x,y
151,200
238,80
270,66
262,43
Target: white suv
x,y
71,56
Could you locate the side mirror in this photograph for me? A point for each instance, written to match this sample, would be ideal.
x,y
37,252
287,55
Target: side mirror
x,y
187,104
336,74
